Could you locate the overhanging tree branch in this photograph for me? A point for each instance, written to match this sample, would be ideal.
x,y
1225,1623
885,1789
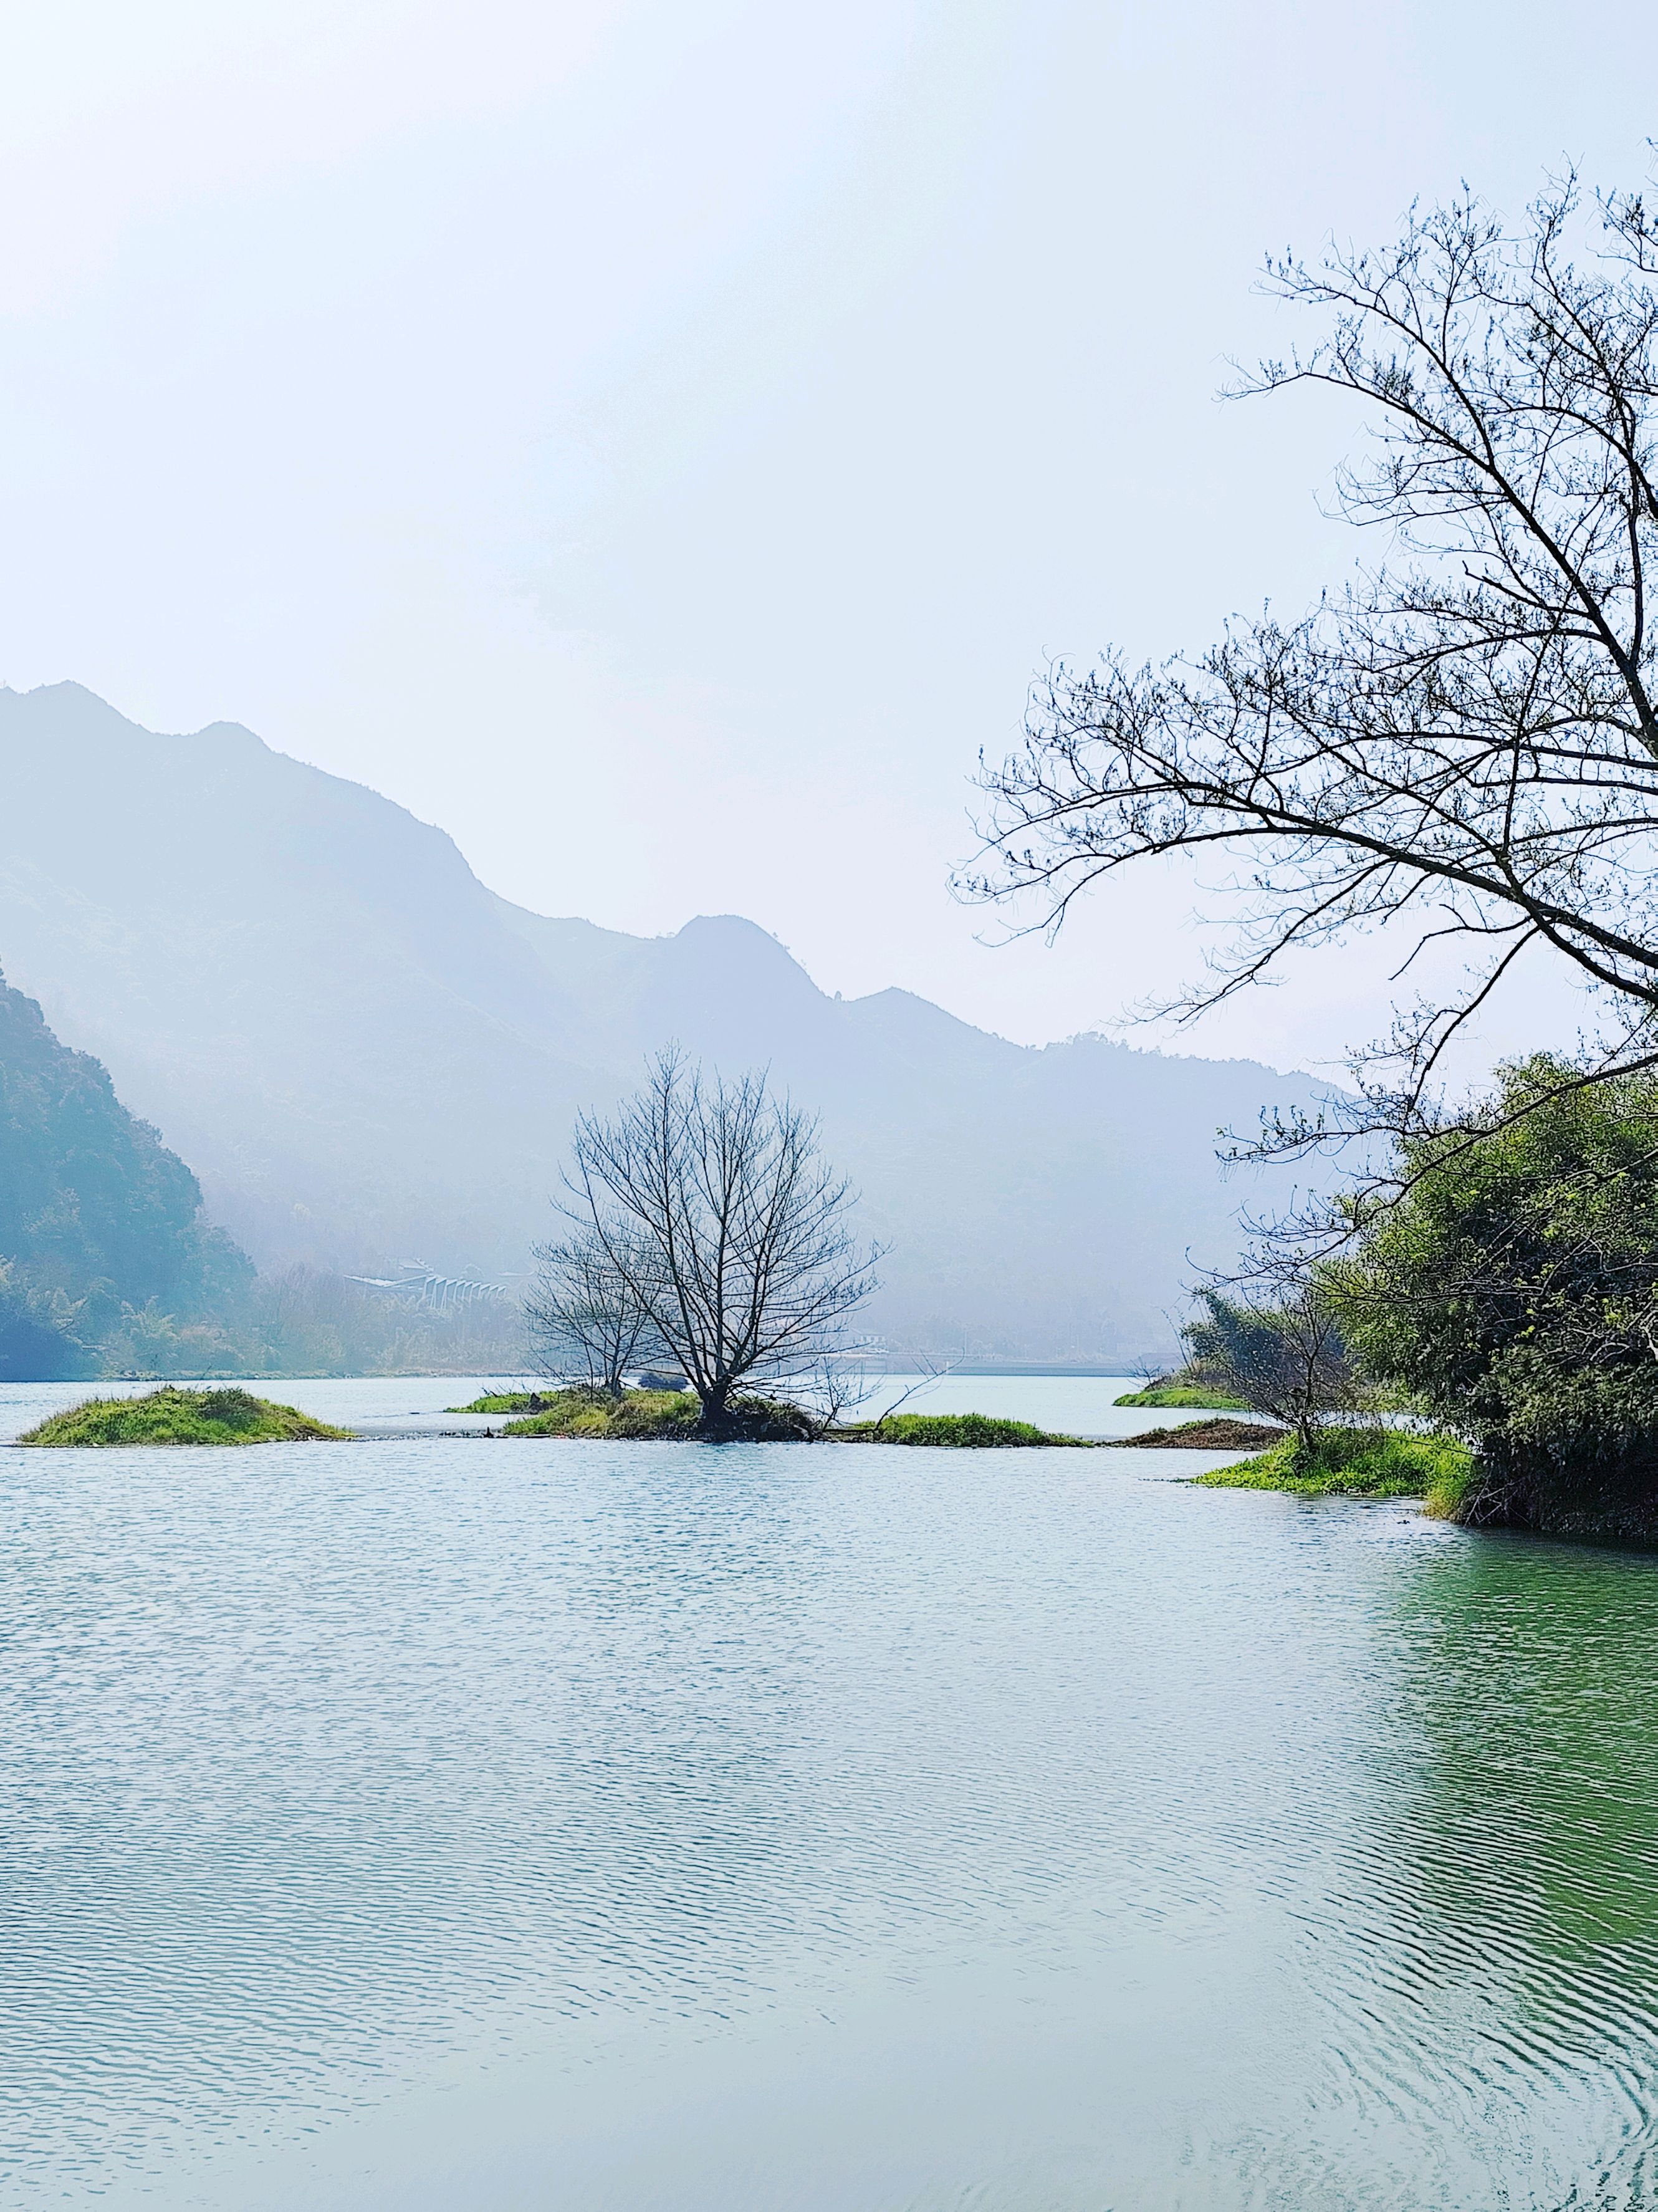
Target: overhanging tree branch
x,y
1464,742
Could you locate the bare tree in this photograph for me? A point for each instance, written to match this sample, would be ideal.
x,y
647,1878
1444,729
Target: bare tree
x,y
929,1371
1464,743
829,1389
1277,1346
713,1203
585,1314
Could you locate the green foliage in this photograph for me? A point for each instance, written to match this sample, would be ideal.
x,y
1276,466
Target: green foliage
x,y
148,1341
506,1401
1176,1391
106,1266
1513,1293
1362,1462
181,1417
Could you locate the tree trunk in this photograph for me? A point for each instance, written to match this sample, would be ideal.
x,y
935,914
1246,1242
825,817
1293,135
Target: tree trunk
x,y
716,1421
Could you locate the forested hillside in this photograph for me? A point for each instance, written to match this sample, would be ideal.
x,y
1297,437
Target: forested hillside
x,y
102,1240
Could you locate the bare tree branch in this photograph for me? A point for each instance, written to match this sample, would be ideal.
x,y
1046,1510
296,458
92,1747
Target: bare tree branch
x,y
585,1318
1464,742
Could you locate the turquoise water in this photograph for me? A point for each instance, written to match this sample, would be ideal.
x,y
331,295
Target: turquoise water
x,y
434,1822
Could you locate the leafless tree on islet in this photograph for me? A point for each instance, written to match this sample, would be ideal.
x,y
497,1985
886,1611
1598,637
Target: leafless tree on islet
x,y
708,1209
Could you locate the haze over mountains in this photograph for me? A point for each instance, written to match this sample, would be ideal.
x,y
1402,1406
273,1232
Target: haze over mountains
x,y
369,1058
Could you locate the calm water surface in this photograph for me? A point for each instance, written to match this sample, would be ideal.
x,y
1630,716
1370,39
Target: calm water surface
x,y
440,1823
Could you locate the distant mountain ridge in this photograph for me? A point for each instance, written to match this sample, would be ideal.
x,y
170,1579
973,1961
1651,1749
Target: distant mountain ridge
x,y
368,1057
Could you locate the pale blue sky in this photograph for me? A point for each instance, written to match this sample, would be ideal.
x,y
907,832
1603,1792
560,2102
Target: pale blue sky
x,y
658,444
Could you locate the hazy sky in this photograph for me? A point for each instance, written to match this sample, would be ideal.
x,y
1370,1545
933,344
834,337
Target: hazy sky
x,y
659,443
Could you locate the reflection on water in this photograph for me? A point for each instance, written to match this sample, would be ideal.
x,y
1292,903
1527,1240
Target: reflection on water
x,y
443,1823
1517,1795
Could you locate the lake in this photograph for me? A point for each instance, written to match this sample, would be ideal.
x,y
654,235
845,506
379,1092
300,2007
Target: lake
x,y
434,1822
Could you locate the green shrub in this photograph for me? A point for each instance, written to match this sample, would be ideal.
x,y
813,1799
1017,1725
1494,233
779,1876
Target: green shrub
x,y
181,1417
1510,1295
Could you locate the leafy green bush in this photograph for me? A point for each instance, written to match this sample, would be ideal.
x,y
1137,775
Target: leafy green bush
x,y
1360,1462
1513,1294
181,1417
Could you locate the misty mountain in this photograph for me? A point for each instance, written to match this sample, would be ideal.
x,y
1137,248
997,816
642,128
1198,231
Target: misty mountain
x,y
96,1215
369,1058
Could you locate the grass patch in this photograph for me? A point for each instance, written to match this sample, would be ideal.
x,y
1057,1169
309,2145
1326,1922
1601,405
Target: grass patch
x,y
508,1401
666,1414
1175,1393
1349,1462
953,1432
172,1416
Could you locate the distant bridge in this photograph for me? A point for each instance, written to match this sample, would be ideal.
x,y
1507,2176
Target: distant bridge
x,y
439,1293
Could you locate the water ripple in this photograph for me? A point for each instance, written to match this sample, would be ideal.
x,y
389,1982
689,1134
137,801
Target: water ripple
x,y
415,1824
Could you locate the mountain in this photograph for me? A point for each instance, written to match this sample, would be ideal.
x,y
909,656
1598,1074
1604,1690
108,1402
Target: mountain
x,y
369,1058
97,1217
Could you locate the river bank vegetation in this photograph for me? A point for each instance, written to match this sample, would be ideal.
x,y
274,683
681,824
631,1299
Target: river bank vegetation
x,y
1485,1335
1509,1294
1343,1461
954,1432
110,1268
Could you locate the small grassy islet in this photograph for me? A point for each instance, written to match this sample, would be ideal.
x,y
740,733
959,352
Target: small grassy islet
x,y
174,1417
1172,1393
